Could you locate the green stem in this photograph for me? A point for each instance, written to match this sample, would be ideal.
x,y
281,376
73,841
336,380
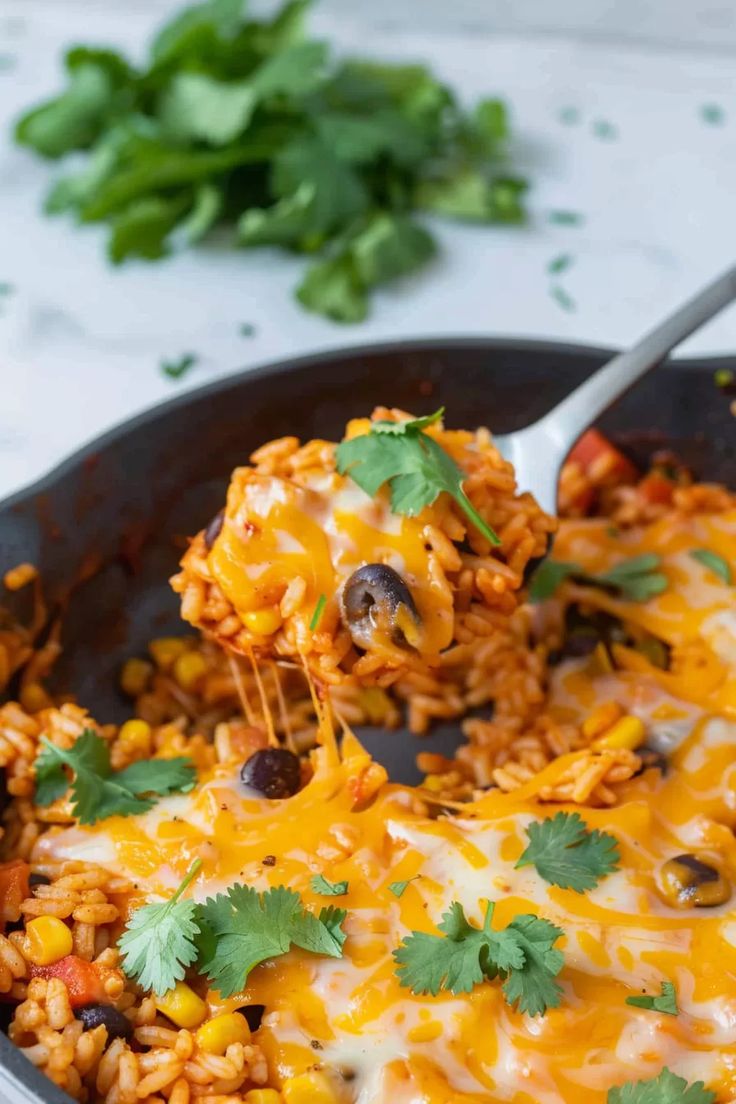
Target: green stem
x,y
470,511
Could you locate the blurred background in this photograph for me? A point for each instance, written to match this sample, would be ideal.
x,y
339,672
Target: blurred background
x,y
621,119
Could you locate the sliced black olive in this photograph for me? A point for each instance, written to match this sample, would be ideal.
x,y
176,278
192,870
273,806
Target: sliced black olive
x,y
213,530
92,1015
38,879
273,772
375,599
689,881
650,758
253,1014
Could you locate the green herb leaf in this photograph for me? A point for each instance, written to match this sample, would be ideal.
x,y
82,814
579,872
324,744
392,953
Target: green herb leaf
x,y
713,114
565,218
415,467
567,854
714,563
97,792
562,297
604,130
666,1002
398,888
560,263
319,884
243,928
667,1088
549,576
522,954
159,941
319,609
633,580
175,369
239,120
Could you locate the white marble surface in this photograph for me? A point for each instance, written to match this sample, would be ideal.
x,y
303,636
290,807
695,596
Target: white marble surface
x,y
80,342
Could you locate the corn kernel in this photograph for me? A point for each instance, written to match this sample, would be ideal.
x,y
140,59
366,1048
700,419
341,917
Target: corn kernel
x,y
263,622
182,1006
629,733
134,676
309,1088
435,783
601,718
20,576
189,670
136,735
47,940
167,649
33,697
218,1034
263,1096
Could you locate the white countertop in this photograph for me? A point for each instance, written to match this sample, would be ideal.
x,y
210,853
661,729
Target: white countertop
x,y
80,342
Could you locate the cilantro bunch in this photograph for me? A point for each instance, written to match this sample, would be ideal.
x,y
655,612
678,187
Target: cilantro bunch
x,y
250,124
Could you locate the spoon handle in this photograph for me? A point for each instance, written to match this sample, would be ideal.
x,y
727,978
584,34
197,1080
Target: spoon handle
x,y
570,418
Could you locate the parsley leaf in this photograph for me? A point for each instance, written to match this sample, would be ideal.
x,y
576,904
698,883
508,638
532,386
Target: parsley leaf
x,y
666,1002
158,943
416,468
717,564
634,580
667,1088
319,884
522,954
98,792
242,928
567,854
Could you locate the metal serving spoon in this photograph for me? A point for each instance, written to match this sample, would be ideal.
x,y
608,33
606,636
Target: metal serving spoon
x,y
538,451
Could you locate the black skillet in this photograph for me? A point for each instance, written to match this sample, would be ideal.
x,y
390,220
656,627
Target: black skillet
x,y
109,514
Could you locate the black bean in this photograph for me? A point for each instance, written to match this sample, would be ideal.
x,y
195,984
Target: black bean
x,y
253,1014
92,1015
214,529
376,599
273,772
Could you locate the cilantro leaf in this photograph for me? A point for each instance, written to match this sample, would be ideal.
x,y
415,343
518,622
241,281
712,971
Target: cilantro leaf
x,y
567,854
175,369
715,563
667,1088
243,928
319,884
158,943
522,955
666,1001
235,119
634,580
96,791
414,465
399,888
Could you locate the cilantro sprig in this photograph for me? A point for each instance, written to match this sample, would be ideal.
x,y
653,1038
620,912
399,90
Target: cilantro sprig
x,y
665,1002
97,791
523,955
634,580
320,884
568,854
242,928
667,1088
159,941
416,468
249,125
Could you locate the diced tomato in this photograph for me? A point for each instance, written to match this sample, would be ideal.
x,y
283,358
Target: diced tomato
x,y
656,489
14,888
82,979
593,447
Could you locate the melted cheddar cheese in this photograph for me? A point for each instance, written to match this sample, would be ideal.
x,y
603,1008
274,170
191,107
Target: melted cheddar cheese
x,y
621,938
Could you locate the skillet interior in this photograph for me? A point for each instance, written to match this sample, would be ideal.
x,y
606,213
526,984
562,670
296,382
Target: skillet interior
x,y
109,513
